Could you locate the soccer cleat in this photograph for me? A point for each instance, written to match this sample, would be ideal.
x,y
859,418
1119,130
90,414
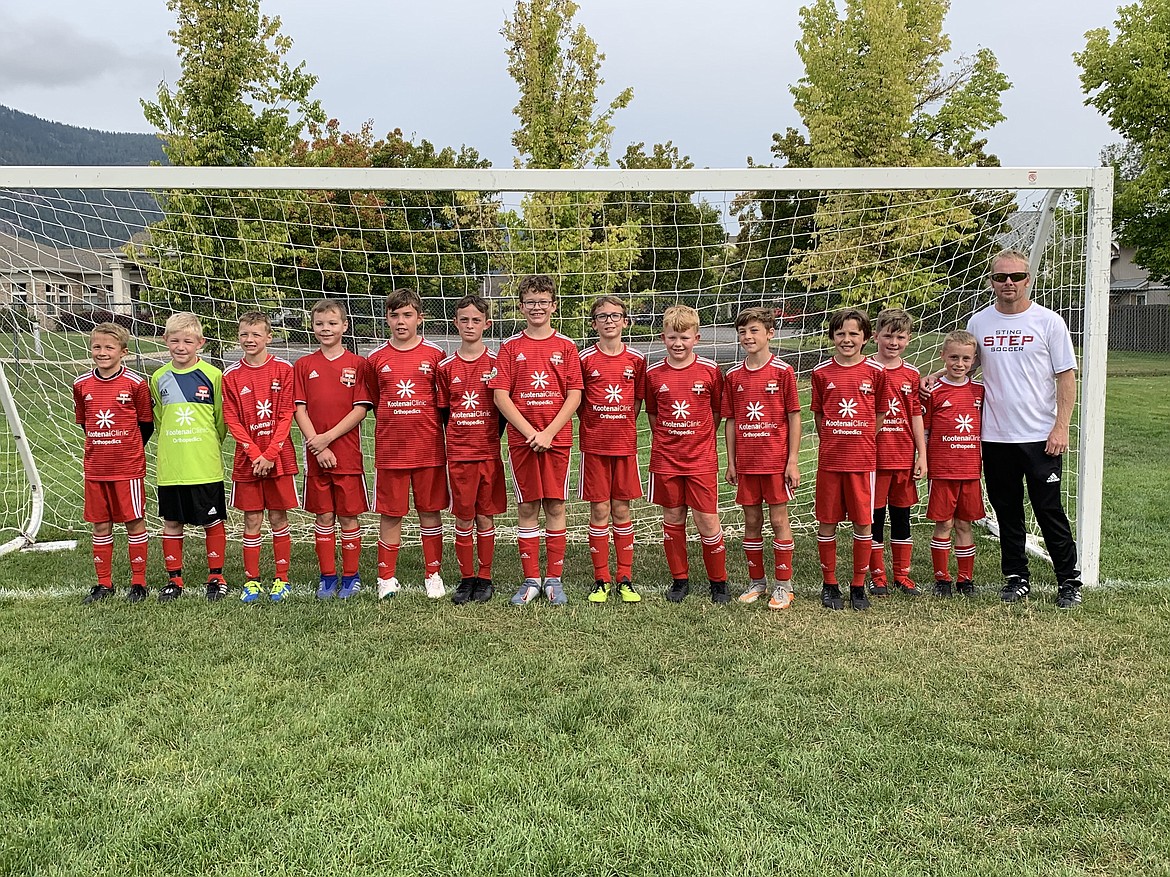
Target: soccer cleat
x,y
217,588
170,591
754,591
434,586
1015,588
627,592
857,599
484,589
252,591
555,591
942,588
526,593
1068,595
600,592
966,588
464,591
719,593
678,590
328,587
388,588
781,597
350,585
98,593
280,590
908,588
831,596
137,594
879,586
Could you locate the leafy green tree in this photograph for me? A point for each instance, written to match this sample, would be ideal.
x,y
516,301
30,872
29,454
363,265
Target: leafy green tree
x,y
1127,78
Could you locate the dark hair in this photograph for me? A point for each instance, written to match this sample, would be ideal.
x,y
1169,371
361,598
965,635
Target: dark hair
x,y
837,320
255,318
765,316
403,297
608,300
536,283
477,301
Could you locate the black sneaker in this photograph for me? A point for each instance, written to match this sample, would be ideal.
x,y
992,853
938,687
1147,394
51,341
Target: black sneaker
x,y
966,588
857,599
880,588
719,593
137,594
464,591
942,588
98,592
831,597
1015,588
1068,595
678,590
170,591
483,590
217,588
908,587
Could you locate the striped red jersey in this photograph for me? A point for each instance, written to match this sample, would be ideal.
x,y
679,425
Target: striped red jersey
x,y
684,405
538,374
330,389
759,401
954,419
846,397
407,431
614,385
473,427
109,410
258,409
900,403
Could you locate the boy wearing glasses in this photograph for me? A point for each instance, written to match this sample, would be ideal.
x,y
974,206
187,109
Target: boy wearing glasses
x,y
537,387
614,377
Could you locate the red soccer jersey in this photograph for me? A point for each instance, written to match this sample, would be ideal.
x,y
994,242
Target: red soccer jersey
x,y
329,389
258,409
684,405
614,385
760,400
407,431
900,403
538,374
473,427
846,397
953,419
109,410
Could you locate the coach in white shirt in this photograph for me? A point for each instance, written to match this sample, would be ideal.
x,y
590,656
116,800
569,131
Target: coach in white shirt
x,y
1030,388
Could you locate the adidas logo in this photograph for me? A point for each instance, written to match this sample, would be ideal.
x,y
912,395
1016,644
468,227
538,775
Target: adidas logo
x,y
946,404
169,558
457,380
213,511
595,374
385,369
313,374
1053,478
520,357
524,555
831,386
88,397
663,389
212,554
245,391
739,389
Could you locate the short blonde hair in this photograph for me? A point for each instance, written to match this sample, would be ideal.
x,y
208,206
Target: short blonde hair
x,y
680,318
960,338
113,329
183,321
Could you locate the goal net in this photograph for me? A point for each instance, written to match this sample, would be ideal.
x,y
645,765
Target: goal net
x,y
84,245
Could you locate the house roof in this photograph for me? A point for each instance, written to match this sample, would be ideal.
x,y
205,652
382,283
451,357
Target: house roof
x,y
18,255
1132,285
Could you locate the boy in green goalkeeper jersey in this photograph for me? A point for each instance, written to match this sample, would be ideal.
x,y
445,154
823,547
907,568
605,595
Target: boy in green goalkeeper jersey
x,y
188,415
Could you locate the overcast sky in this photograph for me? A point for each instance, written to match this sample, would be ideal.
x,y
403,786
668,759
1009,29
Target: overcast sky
x,y
712,77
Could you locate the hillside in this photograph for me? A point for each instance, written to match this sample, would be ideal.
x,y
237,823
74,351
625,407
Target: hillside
x,y
28,140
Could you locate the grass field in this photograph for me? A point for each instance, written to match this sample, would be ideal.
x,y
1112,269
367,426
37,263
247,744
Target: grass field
x,y
414,737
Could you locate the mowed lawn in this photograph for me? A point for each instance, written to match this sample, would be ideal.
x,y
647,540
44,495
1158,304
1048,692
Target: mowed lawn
x,y
922,737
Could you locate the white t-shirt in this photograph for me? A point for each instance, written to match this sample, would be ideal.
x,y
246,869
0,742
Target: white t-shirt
x,y
1020,355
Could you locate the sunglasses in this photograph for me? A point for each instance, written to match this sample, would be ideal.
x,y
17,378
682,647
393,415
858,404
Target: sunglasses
x,y
1015,276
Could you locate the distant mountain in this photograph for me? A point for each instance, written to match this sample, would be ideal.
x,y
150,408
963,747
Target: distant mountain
x,y
27,140
86,218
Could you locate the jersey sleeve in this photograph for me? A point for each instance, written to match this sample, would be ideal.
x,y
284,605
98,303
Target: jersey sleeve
x,y
79,406
817,404
142,403
791,396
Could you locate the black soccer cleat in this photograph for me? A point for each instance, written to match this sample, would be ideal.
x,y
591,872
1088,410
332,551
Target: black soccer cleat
x,y
98,593
483,591
831,596
1068,595
464,591
719,593
966,588
678,590
1015,588
942,588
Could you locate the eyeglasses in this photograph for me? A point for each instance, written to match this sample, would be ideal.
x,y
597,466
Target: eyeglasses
x,y
609,317
537,303
1016,276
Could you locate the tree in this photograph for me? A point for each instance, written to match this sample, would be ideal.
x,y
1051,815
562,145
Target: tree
x,y
237,102
1128,80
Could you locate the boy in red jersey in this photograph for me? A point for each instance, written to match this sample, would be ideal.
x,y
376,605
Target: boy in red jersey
x,y
409,453
901,453
331,390
258,408
845,394
954,413
112,405
614,378
762,426
474,468
684,396
537,388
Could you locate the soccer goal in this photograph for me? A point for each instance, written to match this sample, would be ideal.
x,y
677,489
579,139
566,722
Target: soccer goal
x,y
81,245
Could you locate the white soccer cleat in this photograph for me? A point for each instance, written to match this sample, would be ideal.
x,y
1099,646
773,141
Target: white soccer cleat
x,y
387,587
434,586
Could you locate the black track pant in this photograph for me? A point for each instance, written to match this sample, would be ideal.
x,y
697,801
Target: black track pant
x,y
1006,469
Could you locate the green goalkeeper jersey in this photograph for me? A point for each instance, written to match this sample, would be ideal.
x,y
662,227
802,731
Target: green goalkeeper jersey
x,y
188,418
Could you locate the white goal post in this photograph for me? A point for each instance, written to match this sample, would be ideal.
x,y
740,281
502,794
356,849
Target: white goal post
x,y
859,234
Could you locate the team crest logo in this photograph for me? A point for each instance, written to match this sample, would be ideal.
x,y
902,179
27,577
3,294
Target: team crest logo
x,y
349,376
865,388
772,387
698,388
556,359
628,373
978,403
424,367
487,376
124,398
275,385
203,394
906,389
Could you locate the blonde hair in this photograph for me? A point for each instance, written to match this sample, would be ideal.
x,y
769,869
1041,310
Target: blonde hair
x,y
680,318
183,321
119,333
960,338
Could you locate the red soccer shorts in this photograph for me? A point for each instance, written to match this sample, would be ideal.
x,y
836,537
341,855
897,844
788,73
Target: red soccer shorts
x,y
539,475
604,478
895,487
770,488
327,493
844,496
699,493
278,494
477,488
393,487
114,501
962,500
